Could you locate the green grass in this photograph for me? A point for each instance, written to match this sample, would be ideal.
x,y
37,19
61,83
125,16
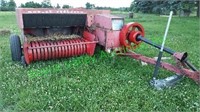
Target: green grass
x,y
100,82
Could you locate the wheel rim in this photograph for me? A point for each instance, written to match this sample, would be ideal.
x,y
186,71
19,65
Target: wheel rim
x,y
129,33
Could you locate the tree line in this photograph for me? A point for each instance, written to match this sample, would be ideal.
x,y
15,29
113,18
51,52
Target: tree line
x,y
10,5
165,6
44,4
7,5
181,7
92,6
144,6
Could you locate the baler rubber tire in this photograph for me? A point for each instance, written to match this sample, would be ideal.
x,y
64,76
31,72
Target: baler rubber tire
x,y
15,46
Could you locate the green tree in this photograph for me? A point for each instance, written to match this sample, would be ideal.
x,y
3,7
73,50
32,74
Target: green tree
x,y
152,6
46,4
58,6
31,4
4,5
198,8
186,7
22,5
8,5
11,5
163,6
66,6
89,5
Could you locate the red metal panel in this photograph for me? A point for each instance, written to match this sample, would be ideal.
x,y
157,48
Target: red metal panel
x,y
108,38
90,19
105,20
112,40
100,34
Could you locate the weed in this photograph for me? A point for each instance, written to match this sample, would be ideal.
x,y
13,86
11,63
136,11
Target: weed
x,y
5,32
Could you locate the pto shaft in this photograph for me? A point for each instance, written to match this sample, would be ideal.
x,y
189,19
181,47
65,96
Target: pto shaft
x,y
165,49
168,50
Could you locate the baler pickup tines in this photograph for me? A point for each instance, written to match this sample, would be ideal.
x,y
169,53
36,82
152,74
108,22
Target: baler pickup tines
x,y
46,49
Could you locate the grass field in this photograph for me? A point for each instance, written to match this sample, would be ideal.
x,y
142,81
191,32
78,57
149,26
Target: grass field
x,y
100,82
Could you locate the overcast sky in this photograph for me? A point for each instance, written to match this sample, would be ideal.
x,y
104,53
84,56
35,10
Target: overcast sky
x,y
81,3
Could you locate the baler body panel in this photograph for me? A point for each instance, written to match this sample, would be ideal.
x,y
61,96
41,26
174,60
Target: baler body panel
x,y
53,20
107,30
108,38
107,21
90,13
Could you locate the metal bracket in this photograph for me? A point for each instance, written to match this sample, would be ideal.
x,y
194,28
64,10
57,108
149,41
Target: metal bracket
x,y
160,84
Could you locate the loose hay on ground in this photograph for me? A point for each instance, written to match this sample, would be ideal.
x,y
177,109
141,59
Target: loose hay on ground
x,y
5,32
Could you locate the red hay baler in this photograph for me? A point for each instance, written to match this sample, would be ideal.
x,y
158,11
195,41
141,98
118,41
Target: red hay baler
x,y
60,33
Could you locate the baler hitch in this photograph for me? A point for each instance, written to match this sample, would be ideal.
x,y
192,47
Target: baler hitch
x,y
182,64
134,33
180,56
180,69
